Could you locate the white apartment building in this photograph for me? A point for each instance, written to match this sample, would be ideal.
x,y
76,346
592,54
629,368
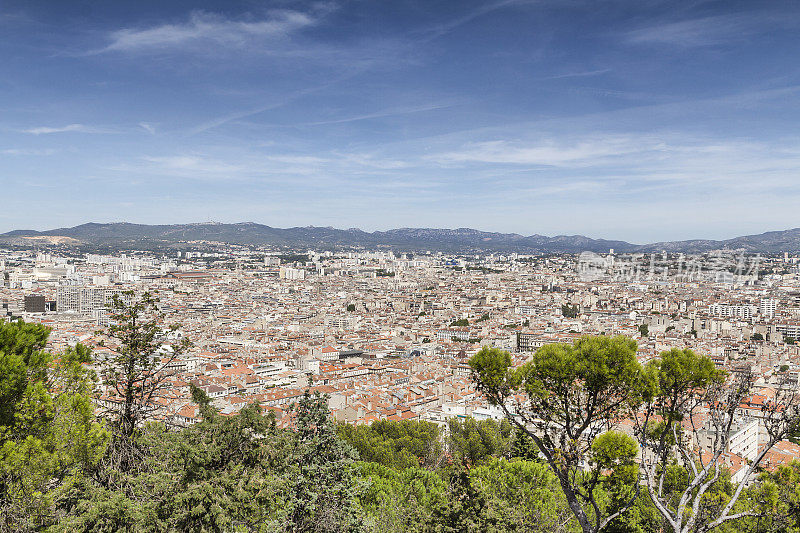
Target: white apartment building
x,y
84,300
448,335
342,322
767,307
733,311
787,330
744,439
291,273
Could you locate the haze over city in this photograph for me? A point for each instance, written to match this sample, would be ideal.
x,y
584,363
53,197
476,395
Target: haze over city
x,y
640,121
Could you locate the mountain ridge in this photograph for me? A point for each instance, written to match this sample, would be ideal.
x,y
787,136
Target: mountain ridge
x,y
127,235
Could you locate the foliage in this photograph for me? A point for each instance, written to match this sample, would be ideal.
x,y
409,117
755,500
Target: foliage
x,y
229,473
569,310
472,441
294,258
137,372
460,323
777,500
403,444
400,499
323,492
522,496
48,434
564,398
466,508
554,463
692,495
644,330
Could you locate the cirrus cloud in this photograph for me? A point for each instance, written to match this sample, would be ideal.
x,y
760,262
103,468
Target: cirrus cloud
x,y
77,128
205,27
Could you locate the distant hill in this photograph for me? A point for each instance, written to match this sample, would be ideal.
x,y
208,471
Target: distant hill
x,y
128,236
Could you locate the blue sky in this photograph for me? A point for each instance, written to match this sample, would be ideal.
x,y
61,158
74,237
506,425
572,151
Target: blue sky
x,y
639,120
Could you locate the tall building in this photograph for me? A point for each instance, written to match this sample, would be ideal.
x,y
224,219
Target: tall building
x,y
291,273
767,307
733,311
84,300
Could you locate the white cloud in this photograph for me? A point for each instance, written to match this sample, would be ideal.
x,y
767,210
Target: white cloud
x,y
149,128
203,26
25,151
188,165
547,153
708,31
581,74
80,128
391,112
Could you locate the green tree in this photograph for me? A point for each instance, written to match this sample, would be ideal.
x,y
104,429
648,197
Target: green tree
x,y
466,508
757,337
226,473
48,434
137,373
569,310
400,500
460,323
644,331
402,444
776,500
522,496
692,495
564,398
473,441
324,494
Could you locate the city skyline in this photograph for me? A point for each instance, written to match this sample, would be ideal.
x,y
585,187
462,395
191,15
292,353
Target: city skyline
x,y
639,121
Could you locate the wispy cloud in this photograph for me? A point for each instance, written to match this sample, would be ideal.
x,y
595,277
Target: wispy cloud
x,y
447,27
580,74
78,128
149,128
194,166
707,31
383,114
26,151
635,164
253,167
239,115
208,27
547,153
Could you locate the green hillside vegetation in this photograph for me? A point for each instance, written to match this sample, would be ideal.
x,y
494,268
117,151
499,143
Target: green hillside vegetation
x,y
243,473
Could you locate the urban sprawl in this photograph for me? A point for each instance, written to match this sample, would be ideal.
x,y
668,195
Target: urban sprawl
x,y
387,335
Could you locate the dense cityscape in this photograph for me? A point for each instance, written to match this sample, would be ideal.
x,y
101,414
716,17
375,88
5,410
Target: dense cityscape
x,y
387,336
399,266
